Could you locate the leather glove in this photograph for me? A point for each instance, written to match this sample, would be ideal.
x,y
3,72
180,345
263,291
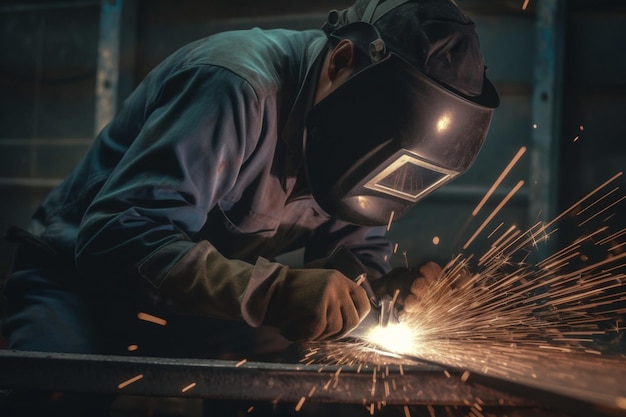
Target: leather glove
x,y
305,304
428,274
409,282
413,283
314,304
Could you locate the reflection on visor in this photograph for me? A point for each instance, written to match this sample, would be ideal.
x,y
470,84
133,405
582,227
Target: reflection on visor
x,y
409,178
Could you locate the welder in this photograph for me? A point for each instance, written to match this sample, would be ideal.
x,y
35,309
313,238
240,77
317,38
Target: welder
x,y
238,148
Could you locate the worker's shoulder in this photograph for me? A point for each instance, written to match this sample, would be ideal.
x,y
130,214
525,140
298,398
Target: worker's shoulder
x,y
264,58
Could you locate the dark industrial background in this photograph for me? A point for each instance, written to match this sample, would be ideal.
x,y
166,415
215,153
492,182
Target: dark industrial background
x,y
559,66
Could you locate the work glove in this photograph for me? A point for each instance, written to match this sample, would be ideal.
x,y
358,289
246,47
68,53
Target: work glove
x,y
305,304
412,284
310,304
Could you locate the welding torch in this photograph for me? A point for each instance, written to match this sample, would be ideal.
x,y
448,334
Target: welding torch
x,y
383,308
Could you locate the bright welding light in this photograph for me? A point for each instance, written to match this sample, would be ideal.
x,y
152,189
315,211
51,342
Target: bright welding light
x,y
396,338
443,123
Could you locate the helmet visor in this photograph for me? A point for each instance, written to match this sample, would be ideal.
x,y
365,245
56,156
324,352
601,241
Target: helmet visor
x,y
410,178
389,136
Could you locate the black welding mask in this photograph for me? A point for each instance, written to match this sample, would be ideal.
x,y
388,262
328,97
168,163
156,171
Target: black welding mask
x,y
389,136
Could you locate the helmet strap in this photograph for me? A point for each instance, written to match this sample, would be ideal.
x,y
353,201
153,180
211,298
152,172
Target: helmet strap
x,y
375,10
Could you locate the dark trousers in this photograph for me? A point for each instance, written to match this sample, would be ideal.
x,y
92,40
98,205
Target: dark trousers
x,y
45,313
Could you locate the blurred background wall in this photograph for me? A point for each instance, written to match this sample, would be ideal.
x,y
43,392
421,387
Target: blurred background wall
x,y
559,66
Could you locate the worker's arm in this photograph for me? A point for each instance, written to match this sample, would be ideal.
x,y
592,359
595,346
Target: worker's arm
x,y
305,304
369,244
201,125
185,153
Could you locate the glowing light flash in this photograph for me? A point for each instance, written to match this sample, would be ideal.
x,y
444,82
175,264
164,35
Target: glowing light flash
x,y
443,123
396,338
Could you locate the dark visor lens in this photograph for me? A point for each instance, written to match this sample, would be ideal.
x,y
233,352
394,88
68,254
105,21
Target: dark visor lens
x,y
359,134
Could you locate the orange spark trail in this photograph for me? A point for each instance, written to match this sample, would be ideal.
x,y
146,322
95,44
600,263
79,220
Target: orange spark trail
x,y
537,324
188,387
152,319
494,212
499,180
130,381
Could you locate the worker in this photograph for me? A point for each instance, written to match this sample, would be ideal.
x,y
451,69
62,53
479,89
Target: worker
x,y
238,148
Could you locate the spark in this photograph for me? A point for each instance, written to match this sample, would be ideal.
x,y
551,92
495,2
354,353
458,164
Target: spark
x,y
436,240
130,381
586,197
336,377
499,180
390,220
465,376
525,5
515,317
494,212
616,328
188,387
152,319
300,404
241,362
535,323
603,210
132,348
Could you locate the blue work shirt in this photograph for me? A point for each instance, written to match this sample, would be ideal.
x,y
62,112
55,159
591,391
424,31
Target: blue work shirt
x,y
207,148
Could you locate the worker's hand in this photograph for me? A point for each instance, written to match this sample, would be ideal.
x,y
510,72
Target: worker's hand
x,y
305,304
410,283
432,278
316,304
427,275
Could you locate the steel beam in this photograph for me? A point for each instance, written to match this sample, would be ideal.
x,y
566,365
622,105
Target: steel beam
x,y
218,379
417,385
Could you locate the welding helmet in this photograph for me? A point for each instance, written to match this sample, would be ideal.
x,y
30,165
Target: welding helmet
x,y
390,134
